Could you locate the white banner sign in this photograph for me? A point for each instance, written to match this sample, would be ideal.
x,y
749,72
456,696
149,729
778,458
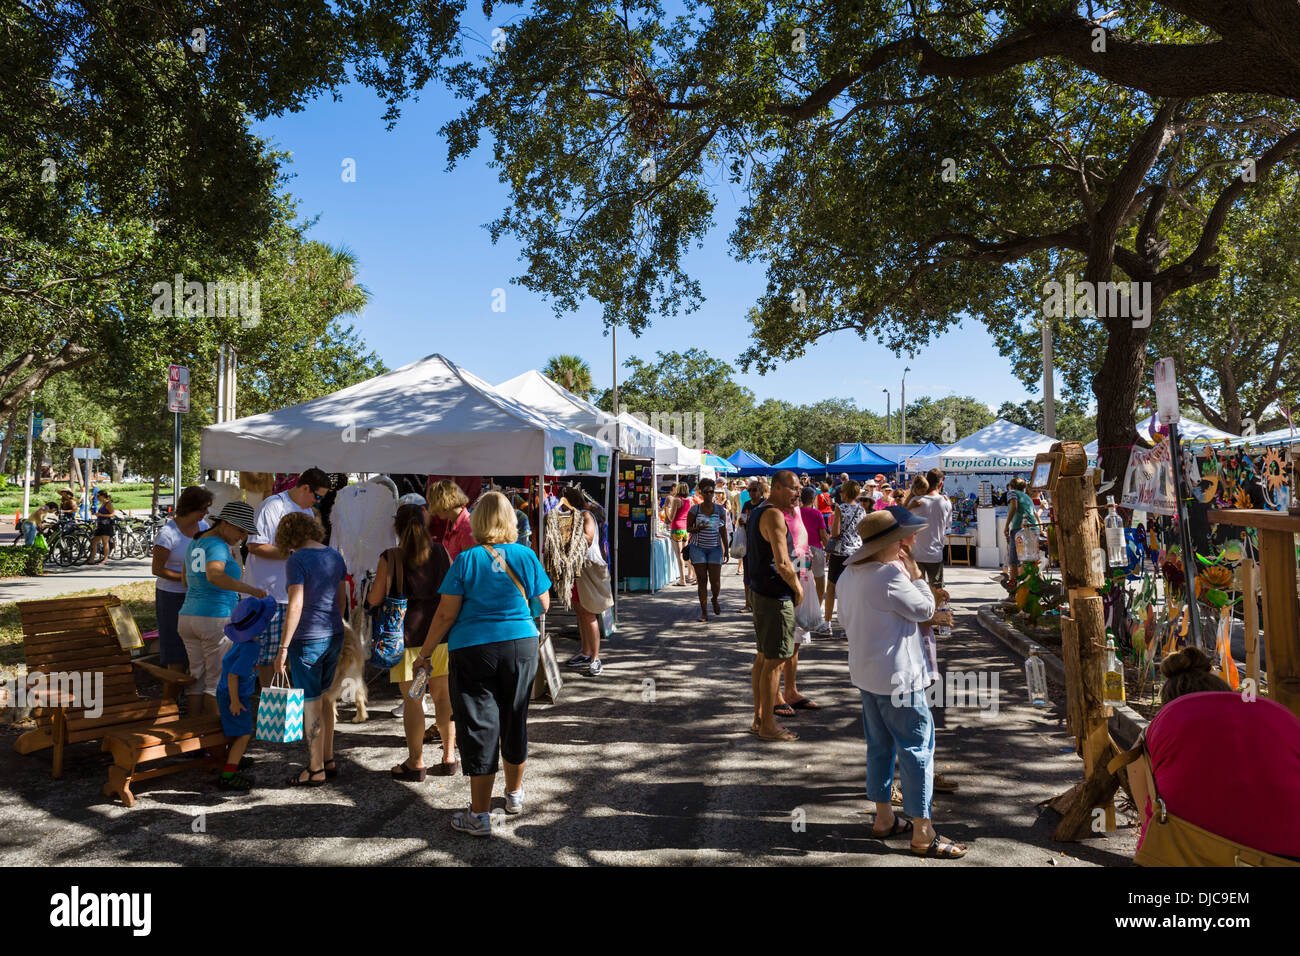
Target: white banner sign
x,y
994,463
1149,481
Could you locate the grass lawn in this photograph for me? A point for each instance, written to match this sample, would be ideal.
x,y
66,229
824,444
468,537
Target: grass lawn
x,y
137,597
132,497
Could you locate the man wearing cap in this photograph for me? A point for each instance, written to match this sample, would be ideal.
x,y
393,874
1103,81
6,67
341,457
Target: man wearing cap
x,y
266,563
882,608
774,591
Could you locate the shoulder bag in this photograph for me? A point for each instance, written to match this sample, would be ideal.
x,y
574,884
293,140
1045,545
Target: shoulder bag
x,y
534,604
1173,841
389,637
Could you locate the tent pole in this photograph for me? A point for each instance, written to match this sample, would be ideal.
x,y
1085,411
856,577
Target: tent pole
x,y
541,540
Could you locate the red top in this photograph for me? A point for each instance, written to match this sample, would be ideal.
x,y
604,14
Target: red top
x,y
458,537
1230,766
824,504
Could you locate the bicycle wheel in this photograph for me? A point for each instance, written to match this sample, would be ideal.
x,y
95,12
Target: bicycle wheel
x,y
65,550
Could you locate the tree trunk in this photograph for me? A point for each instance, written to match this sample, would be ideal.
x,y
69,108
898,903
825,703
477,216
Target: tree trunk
x,y
153,506
1116,387
117,466
38,459
74,475
5,445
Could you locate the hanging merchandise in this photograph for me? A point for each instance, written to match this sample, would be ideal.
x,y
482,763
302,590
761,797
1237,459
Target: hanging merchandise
x,y
1113,676
1116,550
564,550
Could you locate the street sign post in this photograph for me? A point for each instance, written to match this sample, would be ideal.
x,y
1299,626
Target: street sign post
x,y
178,402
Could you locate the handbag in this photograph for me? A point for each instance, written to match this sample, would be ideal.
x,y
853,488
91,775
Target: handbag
x,y
534,604
594,591
389,634
279,712
1172,841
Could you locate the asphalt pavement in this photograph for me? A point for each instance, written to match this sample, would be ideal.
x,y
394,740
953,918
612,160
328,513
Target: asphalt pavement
x,y
649,763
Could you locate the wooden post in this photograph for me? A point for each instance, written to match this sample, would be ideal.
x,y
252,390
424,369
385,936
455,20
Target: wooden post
x,y
1250,616
1085,634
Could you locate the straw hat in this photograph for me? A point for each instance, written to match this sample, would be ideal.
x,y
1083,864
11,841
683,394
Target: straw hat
x,y
884,527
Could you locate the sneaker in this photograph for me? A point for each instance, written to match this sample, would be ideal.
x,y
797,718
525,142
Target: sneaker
x,y
475,824
578,660
397,711
594,668
514,801
823,629
943,785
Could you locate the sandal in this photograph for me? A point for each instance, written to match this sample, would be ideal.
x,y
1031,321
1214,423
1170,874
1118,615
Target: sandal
x,y
783,710
445,769
901,825
331,769
805,703
297,781
415,775
716,609
236,781
433,735
785,736
940,849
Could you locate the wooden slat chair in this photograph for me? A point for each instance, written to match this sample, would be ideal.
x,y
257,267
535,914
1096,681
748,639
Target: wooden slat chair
x,y
76,635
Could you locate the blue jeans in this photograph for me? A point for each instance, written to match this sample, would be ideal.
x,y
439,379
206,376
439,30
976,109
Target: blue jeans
x,y
312,664
907,731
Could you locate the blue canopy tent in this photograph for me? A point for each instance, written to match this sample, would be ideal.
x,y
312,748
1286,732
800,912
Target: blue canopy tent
x,y
798,461
719,464
748,464
860,460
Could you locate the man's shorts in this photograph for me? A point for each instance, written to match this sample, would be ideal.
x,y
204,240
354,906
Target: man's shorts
x,y
773,626
270,639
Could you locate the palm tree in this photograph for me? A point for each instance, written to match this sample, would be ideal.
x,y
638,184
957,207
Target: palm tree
x,y
572,372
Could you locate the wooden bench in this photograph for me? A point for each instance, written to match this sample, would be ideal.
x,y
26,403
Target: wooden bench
x,y
76,636
131,747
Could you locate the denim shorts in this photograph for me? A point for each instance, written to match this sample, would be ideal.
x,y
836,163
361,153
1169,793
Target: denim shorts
x,y
705,555
312,663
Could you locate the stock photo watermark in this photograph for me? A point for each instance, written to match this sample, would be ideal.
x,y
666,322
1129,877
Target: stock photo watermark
x,y
975,690
226,299
39,689
1100,300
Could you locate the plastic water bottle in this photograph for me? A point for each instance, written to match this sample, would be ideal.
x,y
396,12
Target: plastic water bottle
x,y
1036,679
1116,552
942,630
417,685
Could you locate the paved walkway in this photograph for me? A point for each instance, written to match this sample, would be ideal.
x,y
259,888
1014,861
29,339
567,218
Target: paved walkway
x,y
616,775
56,582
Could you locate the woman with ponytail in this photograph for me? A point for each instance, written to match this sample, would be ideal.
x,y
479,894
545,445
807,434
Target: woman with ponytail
x,y
414,570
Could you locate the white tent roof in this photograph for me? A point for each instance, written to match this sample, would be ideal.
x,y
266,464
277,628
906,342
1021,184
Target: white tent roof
x,y
1278,436
553,400
429,416
1186,428
1001,447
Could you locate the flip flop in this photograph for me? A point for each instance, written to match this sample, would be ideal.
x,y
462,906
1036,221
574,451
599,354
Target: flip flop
x,y
901,825
783,710
785,736
940,849
805,704
409,774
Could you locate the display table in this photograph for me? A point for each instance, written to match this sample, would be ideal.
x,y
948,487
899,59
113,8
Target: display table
x,y
661,569
966,541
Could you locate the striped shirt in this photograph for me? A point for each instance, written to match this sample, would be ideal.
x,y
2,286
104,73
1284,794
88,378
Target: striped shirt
x,y
709,537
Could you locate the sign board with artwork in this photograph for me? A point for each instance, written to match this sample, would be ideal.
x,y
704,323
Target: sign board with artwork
x,y
1149,481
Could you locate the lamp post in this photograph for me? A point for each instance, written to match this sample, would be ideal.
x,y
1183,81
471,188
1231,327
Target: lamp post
x,y
902,405
1049,399
887,410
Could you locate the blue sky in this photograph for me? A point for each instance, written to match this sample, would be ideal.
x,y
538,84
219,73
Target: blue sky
x,y
431,269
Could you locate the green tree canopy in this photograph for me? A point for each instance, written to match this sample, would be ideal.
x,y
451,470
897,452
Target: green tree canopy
x,y
571,371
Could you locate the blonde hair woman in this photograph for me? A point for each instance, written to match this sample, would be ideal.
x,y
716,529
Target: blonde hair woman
x,y
448,501
487,615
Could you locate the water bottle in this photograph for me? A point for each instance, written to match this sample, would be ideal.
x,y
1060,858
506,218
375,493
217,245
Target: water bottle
x,y
942,630
1036,679
1113,675
1116,553
418,683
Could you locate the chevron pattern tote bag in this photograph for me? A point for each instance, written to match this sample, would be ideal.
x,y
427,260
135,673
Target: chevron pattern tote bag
x,y
279,715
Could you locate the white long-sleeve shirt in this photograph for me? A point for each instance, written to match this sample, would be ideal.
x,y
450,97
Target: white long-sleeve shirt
x,y
880,609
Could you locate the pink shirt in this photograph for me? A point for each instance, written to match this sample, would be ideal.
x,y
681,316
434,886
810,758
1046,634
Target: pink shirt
x,y
813,523
458,537
798,531
1229,766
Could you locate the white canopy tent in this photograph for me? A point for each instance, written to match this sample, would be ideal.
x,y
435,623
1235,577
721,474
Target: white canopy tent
x,y
635,437
1187,429
1000,448
1278,436
429,416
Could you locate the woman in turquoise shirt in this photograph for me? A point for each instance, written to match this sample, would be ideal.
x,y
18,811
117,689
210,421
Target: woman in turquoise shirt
x,y
213,585
484,616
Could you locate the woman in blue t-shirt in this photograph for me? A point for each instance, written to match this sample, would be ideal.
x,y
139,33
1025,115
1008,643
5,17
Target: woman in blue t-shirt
x,y
213,586
313,634
485,617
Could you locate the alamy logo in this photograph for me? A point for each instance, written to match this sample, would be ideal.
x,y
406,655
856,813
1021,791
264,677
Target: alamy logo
x,y
1102,300
39,689
228,299
974,689
75,909
686,427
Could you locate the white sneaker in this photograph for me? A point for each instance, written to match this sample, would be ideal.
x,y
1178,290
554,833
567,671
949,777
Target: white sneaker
x,y
475,824
428,706
514,801
397,711
823,628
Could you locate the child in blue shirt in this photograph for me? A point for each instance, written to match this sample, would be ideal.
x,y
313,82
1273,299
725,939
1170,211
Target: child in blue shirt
x,y
250,618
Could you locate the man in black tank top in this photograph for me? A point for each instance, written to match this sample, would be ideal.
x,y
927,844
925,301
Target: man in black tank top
x,y
774,591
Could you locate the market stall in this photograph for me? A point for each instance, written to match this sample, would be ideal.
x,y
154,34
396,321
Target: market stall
x,y
798,461
748,464
860,462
